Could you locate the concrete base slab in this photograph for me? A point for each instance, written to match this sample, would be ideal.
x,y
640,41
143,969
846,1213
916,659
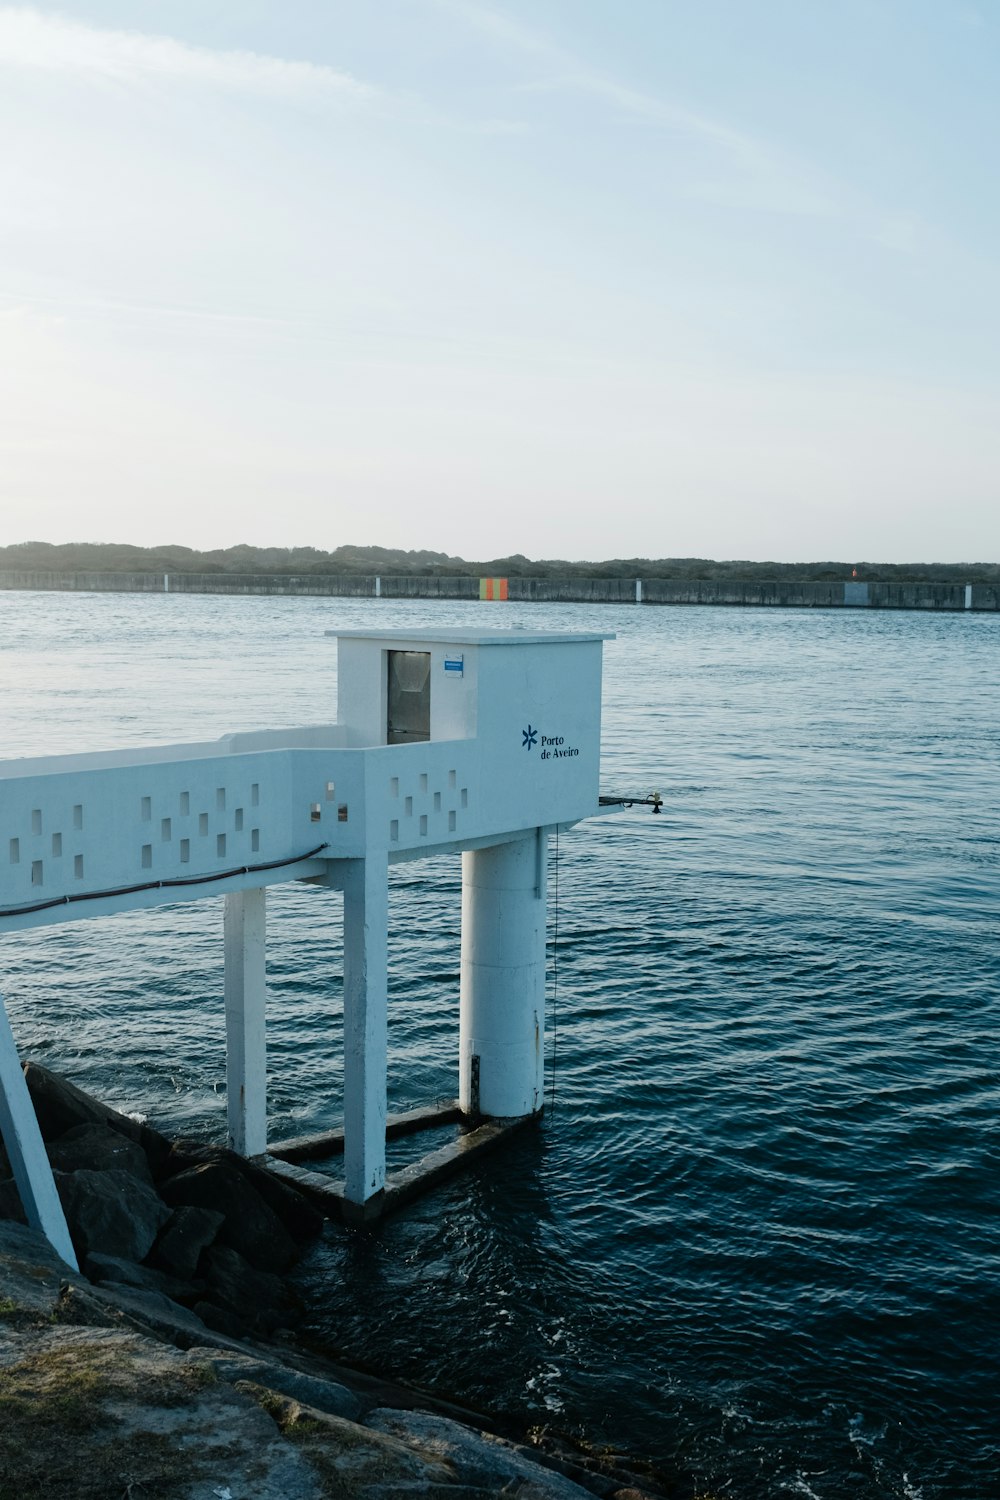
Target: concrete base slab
x,y
331,1142
401,1187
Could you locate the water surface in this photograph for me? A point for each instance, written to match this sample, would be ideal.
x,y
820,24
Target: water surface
x,y
756,1236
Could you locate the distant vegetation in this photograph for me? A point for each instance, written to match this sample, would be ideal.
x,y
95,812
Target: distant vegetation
x,y
112,557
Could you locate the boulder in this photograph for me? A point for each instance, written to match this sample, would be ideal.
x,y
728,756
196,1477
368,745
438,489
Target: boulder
x,y
99,1148
259,1299
32,1275
311,1390
477,1458
188,1232
301,1219
150,1312
60,1105
10,1202
112,1268
250,1227
110,1213
219,1321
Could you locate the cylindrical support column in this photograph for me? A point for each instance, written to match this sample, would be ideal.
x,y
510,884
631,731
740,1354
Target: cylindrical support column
x,y
245,928
502,1032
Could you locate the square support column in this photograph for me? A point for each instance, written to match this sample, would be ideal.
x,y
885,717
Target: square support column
x,y
29,1163
245,930
366,915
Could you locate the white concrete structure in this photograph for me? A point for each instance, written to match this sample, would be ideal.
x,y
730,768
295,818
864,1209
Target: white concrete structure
x,y
481,742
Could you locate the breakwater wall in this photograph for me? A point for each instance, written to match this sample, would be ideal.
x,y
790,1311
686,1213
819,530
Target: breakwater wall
x,y
777,593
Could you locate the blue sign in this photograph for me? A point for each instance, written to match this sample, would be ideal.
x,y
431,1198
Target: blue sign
x,y
455,664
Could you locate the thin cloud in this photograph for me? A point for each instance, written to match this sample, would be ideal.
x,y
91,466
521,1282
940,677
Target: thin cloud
x,y
570,73
781,186
30,39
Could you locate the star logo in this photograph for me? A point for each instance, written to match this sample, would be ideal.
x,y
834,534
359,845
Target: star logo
x,y
529,737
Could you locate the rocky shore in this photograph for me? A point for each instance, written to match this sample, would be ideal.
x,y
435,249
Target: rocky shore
x,y
170,1366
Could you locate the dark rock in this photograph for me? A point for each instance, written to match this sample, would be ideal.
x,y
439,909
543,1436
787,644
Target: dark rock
x,y
151,1312
86,1306
10,1202
110,1213
104,1268
478,1458
220,1321
301,1219
259,1299
251,1227
310,1390
60,1105
188,1232
32,1275
98,1148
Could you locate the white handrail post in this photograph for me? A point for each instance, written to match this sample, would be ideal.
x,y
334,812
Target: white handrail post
x,y
23,1140
245,940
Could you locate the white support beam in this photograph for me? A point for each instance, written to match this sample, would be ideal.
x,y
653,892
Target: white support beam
x,y
23,1140
245,934
366,913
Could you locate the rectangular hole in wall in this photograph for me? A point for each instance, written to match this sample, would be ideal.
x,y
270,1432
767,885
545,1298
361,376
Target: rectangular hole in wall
x,y
315,812
255,839
56,845
203,824
393,786
185,851
165,830
465,796
437,801
78,866
146,809
255,795
147,856
408,807
78,815
423,781
423,823
185,804
453,778
220,845
36,872
342,813
36,820
451,822
394,830
330,789
15,851
238,820
220,799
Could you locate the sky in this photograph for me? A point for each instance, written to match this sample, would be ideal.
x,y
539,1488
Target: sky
x,y
570,278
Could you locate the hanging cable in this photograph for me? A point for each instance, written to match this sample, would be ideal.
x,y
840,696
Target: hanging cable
x,y
555,975
161,885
